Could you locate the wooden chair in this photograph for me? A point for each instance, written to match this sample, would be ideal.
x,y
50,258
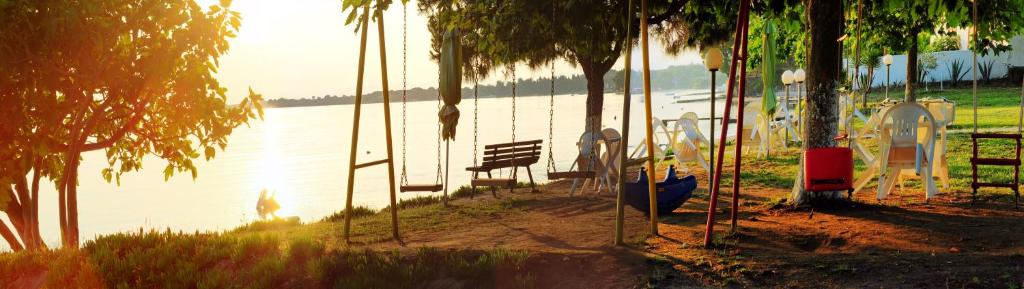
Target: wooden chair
x,y
513,156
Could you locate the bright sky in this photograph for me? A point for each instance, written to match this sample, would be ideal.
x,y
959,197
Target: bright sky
x,y
296,49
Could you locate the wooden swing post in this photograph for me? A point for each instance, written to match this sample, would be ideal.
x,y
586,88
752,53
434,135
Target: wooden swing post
x,y
352,165
739,46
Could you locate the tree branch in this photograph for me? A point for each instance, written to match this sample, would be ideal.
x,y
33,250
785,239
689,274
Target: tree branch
x,y
673,8
9,236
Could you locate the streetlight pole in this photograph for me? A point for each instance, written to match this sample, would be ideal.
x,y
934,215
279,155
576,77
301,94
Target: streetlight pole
x,y
713,62
887,59
787,79
799,76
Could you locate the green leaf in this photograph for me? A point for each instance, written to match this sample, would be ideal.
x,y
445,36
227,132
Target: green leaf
x,y
210,152
168,172
107,173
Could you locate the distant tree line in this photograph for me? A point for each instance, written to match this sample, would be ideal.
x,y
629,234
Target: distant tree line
x,y
692,76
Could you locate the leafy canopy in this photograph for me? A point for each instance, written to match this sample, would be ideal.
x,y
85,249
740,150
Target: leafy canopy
x,y
133,78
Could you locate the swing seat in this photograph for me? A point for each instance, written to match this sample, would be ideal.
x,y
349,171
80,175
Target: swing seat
x,y
421,188
499,182
571,175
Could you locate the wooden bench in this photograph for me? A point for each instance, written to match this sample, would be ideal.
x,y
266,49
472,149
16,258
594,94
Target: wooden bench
x,y
512,155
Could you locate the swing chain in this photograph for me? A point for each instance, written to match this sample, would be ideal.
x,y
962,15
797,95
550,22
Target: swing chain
x,y
551,122
404,179
513,103
476,108
440,105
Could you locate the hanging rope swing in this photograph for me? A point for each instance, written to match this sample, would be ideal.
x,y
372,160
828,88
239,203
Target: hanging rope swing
x,y
587,153
587,150
405,186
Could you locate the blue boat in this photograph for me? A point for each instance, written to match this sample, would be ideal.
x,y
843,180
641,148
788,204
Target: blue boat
x,y
672,193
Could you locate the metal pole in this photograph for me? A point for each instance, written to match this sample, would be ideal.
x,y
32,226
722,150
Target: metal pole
x,y
734,209
355,121
974,64
446,156
887,81
730,84
785,117
711,139
651,189
620,199
799,111
387,124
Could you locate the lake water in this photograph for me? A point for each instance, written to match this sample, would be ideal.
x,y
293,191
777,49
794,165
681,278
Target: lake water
x,y
302,154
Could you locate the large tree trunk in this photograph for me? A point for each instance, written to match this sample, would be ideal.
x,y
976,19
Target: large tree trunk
x,y
594,72
68,197
911,70
73,202
823,78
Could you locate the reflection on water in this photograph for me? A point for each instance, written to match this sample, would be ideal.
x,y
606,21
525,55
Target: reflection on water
x,y
302,155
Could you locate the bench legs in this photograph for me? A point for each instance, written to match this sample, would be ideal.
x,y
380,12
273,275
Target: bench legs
x,y
494,191
533,186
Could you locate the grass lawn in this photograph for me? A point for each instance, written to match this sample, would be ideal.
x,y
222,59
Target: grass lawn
x,y
998,107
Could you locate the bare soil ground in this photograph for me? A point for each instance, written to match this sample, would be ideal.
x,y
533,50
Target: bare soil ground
x,y
901,242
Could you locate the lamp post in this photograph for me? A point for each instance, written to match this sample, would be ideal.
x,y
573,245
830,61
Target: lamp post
x,y
887,59
787,79
799,76
713,62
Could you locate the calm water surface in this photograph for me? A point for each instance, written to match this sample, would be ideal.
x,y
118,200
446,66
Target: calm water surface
x,y
302,154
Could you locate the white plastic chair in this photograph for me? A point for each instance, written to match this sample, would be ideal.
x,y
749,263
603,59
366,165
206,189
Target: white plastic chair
x,y
608,175
588,158
752,126
901,149
944,113
660,145
687,149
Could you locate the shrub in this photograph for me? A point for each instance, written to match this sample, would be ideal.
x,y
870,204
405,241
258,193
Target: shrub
x,y
957,71
946,43
985,68
263,225
357,212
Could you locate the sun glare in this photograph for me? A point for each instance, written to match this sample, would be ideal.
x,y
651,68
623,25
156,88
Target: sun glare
x,y
271,174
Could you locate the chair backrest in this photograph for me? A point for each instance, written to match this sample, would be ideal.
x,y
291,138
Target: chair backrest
x,y
506,155
751,113
903,121
943,111
612,141
690,131
691,116
587,159
659,126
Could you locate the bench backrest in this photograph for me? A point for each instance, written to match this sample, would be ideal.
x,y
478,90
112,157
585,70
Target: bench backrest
x,y
507,155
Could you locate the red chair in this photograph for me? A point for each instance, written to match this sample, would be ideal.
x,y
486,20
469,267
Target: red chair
x,y
829,169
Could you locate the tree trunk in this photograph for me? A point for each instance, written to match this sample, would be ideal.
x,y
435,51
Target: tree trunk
x,y
823,79
73,203
6,233
27,222
911,70
68,201
594,74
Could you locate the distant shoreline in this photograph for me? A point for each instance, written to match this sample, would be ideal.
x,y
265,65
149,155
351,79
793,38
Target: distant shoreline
x,y
395,97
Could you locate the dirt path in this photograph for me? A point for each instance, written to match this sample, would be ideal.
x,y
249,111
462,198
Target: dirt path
x,y
569,238
900,243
